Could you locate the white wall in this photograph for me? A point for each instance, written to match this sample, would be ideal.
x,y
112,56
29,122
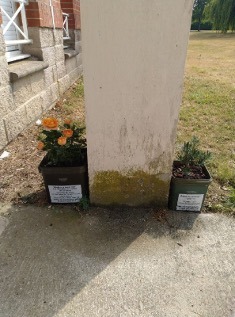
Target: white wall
x,y
133,58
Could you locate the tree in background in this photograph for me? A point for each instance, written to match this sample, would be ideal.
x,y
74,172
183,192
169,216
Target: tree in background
x,y
222,13
198,11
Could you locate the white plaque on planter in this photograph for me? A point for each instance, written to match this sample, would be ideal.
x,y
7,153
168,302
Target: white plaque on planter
x,y
64,194
190,202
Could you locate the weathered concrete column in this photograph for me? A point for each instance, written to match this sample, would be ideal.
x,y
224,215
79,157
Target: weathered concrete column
x,y
133,56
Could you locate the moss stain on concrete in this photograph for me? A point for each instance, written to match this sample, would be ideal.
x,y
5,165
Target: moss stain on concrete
x,y
135,188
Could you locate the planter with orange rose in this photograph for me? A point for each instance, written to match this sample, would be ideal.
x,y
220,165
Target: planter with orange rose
x,y
64,168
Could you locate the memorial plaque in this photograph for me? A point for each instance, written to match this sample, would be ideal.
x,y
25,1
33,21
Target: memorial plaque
x,y
65,194
190,202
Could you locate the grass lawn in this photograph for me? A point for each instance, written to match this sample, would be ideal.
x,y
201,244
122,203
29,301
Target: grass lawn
x,y
208,111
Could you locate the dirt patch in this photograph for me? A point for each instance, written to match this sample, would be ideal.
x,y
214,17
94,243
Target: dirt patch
x,y
20,180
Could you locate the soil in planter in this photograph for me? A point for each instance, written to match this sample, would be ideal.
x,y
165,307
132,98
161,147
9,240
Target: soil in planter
x,y
81,162
192,172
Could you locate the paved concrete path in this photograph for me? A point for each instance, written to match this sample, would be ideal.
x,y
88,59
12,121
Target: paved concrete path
x,y
60,262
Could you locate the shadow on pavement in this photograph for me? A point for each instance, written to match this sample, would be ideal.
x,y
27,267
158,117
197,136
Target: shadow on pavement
x,y
48,255
171,223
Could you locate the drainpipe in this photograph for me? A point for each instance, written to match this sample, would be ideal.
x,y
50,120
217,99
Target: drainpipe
x,y
52,14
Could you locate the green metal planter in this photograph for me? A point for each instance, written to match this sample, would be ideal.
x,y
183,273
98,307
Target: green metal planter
x,y
188,194
64,184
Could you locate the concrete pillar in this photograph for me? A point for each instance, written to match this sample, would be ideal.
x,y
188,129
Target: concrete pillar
x,y
133,56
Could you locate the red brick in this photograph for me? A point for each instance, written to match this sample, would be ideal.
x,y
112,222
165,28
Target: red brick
x,y
39,14
32,5
33,14
34,22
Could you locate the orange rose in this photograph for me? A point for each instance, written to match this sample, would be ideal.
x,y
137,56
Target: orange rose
x,y
62,140
67,121
67,133
40,145
50,123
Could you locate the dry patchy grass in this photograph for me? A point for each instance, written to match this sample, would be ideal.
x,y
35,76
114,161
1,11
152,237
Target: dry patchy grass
x,y
208,110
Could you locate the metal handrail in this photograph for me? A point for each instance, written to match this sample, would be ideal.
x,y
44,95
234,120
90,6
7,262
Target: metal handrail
x,y
65,26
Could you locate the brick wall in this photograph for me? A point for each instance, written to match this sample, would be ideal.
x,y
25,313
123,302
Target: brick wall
x,y
57,13
77,14
39,14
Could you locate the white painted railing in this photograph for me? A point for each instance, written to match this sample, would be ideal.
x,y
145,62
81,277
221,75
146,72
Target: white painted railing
x,y
23,37
66,26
